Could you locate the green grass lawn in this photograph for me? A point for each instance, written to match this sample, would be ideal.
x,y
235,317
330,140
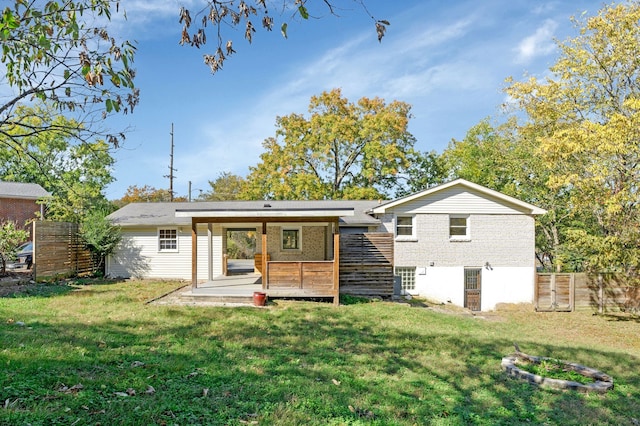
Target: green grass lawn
x,y
97,354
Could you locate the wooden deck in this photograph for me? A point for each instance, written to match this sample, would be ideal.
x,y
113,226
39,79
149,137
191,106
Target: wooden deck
x,y
285,279
227,289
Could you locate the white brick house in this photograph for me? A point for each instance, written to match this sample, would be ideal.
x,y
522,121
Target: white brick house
x,y
463,243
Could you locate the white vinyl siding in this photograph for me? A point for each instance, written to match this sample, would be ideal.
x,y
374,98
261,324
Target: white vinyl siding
x,y
137,255
456,200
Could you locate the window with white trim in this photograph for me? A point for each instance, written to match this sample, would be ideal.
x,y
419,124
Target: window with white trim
x,y
404,227
291,239
459,227
407,276
168,239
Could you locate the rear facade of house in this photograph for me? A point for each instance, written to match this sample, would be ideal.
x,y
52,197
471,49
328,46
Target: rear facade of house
x,y
459,242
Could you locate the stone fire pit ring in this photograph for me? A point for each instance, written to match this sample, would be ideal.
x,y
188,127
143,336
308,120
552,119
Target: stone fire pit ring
x,y
602,382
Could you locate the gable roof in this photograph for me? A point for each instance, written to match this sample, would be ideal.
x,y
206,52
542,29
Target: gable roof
x,y
162,214
522,206
29,191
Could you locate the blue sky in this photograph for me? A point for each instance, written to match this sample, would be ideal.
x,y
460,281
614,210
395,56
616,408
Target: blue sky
x,y
448,60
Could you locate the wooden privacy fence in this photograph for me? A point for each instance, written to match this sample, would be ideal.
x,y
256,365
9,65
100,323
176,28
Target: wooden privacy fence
x,y
366,264
59,251
598,292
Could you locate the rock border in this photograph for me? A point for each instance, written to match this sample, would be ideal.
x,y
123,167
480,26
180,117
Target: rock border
x,y
602,384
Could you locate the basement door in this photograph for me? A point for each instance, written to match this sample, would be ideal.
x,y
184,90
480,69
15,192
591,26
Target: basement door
x,y
472,288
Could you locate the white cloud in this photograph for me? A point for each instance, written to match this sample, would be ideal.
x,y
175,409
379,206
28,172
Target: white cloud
x,y
539,43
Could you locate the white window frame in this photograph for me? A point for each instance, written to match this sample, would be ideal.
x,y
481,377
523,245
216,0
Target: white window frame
x,y
467,235
168,239
290,228
407,276
411,237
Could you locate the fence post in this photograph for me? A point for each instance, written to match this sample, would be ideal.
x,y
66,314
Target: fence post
x,y
600,294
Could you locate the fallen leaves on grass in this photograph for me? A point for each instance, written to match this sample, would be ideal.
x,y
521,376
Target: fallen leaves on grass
x,y
128,392
10,404
73,389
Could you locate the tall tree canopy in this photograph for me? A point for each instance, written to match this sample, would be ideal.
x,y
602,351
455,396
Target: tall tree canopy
x,y
498,157
249,15
341,150
586,119
60,53
146,194
75,174
227,186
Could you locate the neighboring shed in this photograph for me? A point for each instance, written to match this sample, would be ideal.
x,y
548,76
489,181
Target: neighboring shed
x,y
19,202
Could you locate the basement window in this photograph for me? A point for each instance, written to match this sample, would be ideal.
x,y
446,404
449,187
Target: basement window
x,y
407,275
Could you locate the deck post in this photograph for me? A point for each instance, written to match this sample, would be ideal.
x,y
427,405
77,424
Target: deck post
x,y
210,251
336,268
265,275
194,253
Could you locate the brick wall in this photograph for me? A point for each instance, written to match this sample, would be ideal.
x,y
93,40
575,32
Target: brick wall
x,y
501,240
312,240
19,210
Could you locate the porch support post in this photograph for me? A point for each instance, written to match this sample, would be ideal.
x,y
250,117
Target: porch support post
x,y
194,253
336,265
210,251
265,283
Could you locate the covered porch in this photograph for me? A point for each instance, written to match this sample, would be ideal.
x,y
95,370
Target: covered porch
x,y
281,268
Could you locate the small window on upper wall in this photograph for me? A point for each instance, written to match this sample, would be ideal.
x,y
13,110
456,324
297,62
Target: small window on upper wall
x,y
291,239
167,240
404,226
459,227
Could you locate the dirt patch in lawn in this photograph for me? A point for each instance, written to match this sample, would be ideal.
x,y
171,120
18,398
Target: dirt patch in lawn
x,y
15,282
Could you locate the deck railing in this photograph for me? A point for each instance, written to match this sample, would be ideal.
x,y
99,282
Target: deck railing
x,y
301,279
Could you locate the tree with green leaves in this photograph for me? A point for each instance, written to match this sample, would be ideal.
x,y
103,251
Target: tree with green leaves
x,y
224,17
585,119
426,170
499,157
75,174
342,150
227,186
146,194
10,237
62,54
100,235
